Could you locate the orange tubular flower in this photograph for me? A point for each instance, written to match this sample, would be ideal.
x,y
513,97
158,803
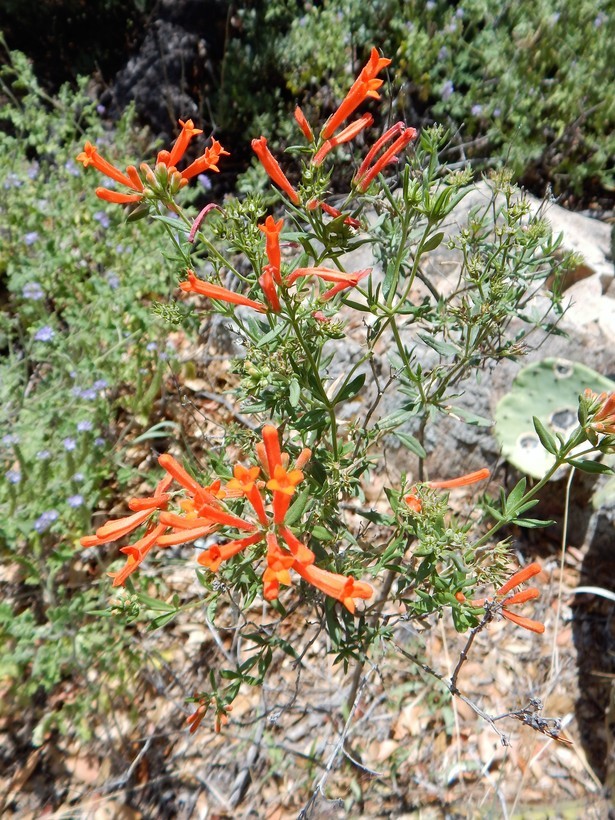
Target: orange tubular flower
x,y
365,175
304,125
90,156
341,280
217,292
366,85
272,230
270,164
462,481
181,143
349,133
271,444
195,719
200,513
341,587
143,507
266,281
414,502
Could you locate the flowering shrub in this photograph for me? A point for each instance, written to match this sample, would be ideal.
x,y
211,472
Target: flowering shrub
x,y
521,83
278,509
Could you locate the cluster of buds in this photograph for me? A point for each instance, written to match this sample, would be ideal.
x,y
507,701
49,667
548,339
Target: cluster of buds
x,y
195,719
164,181
597,415
201,511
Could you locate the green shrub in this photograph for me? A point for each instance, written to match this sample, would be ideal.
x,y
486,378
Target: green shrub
x,y
80,350
522,82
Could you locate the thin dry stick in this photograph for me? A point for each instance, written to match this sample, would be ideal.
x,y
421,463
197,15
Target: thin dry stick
x,y
454,691
466,649
447,659
374,616
554,653
319,788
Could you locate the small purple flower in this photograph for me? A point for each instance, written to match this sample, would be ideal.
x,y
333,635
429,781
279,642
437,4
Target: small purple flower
x,y
102,218
205,181
70,444
89,394
43,455
100,384
113,280
33,170
12,181
430,5
44,521
496,112
30,238
72,168
459,13
44,334
100,109
75,501
84,426
151,346
10,439
447,90
443,53
99,442
476,110
33,291
599,19
13,476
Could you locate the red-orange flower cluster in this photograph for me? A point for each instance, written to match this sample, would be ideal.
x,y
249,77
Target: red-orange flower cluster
x,y
366,85
202,511
522,597
399,136
271,278
164,176
603,417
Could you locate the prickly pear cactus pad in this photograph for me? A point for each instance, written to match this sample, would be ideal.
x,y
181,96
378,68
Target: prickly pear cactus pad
x,y
548,389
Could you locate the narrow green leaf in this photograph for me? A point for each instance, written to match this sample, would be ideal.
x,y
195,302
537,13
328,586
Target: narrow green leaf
x,y
412,443
531,523
351,389
546,438
432,242
441,347
588,466
516,494
294,392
